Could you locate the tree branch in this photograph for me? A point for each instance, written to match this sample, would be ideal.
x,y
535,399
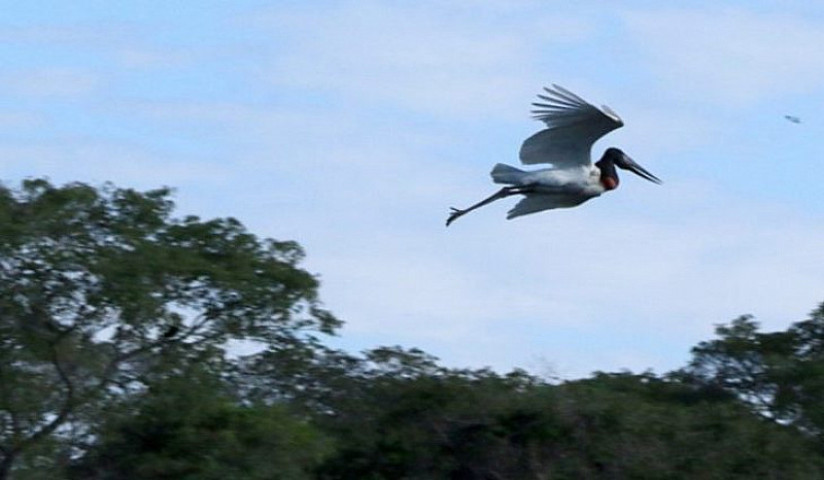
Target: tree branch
x,y
64,411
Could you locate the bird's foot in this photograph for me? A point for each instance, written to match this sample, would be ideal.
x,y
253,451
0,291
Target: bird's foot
x,y
456,212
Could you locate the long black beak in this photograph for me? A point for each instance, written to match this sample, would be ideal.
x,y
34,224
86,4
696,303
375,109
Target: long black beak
x,y
629,164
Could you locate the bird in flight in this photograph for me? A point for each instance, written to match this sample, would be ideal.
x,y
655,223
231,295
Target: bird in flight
x,y
792,118
573,125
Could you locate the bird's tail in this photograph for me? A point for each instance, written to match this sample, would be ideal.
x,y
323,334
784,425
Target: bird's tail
x,y
506,174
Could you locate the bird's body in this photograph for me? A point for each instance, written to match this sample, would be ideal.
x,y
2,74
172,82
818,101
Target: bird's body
x,y
550,187
573,125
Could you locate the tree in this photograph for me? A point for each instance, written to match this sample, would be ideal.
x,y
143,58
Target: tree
x,y
189,428
413,421
780,374
92,280
624,425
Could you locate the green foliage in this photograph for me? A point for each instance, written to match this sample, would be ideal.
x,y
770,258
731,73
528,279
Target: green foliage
x,y
481,425
186,428
780,374
92,282
641,426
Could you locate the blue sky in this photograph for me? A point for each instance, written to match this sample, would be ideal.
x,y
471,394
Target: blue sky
x,y
352,126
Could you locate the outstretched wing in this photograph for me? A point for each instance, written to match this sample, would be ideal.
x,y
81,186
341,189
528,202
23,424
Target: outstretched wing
x,y
573,125
532,203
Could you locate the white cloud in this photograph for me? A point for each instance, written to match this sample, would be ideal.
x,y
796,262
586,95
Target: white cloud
x,y
136,56
65,35
96,161
423,57
20,120
51,82
730,56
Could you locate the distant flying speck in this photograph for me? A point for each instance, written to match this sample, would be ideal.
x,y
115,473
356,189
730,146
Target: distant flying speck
x,y
792,118
573,125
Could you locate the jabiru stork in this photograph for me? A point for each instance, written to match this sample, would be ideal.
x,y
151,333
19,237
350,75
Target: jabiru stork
x,y
573,125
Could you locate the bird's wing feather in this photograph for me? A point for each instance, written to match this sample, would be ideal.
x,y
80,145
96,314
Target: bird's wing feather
x,y
539,202
573,125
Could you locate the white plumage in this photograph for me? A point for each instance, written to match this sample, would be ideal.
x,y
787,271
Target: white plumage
x,y
551,187
573,125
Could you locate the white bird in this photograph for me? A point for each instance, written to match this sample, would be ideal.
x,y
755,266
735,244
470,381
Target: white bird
x,y
573,125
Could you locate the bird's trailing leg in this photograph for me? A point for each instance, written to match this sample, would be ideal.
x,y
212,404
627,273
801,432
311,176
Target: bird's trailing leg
x,y
502,193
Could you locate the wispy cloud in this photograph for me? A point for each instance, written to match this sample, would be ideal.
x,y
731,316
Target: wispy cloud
x,y
139,56
95,160
63,35
50,82
423,57
16,119
731,56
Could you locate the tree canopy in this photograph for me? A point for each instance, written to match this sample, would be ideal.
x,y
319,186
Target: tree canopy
x,y
779,374
103,290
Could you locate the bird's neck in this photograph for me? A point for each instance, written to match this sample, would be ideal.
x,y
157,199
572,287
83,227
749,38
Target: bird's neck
x,y
609,176
609,183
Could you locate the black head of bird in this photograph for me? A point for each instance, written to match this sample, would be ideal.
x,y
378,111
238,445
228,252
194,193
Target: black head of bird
x,y
616,156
